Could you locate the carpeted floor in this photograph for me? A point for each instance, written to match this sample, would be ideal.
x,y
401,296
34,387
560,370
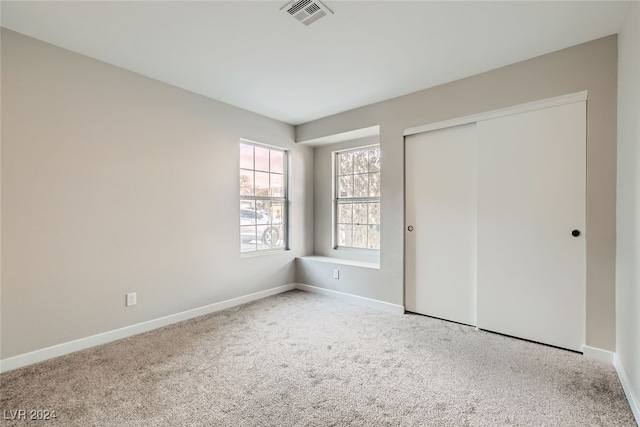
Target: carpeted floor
x,y
300,359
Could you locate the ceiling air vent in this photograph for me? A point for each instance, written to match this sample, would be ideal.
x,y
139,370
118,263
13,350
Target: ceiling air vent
x,y
307,11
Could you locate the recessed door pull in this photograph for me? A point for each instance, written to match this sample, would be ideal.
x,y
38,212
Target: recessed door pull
x,y
575,233
410,228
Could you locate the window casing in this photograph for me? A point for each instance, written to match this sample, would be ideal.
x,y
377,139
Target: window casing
x,y
357,198
263,198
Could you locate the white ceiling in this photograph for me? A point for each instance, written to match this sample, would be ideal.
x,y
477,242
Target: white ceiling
x,y
254,56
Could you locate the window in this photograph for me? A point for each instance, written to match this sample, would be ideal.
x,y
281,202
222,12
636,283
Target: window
x,y
263,198
357,201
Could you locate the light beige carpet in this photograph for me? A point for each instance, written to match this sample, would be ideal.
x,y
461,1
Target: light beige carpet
x,y
299,359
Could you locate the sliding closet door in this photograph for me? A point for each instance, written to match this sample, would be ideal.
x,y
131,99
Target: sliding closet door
x,y
531,225
440,174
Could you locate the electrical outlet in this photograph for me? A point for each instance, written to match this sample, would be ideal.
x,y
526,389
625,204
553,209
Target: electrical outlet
x,y
336,274
132,299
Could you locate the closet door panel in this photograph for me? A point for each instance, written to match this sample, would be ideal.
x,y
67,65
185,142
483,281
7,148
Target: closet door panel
x,y
441,200
531,197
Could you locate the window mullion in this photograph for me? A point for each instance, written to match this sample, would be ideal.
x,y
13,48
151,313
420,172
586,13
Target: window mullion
x,y
357,199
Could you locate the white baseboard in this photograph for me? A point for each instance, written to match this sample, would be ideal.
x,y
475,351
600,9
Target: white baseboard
x,y
626,386
599,354
380,305
127,331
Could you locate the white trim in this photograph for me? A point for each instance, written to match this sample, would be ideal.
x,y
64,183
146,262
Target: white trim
x,y
598,354
516,109
262,144
340,261
127,331
358,148
343,136
373,303
335,200
634,402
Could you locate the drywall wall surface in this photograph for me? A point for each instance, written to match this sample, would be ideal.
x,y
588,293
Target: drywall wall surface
x,y
354,278
113,183
310,270
590,66
628,251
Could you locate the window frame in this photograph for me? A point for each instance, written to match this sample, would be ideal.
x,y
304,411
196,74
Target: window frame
x,y
336,199
284,198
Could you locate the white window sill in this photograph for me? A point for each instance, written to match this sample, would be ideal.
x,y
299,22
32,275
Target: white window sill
x,y
332,260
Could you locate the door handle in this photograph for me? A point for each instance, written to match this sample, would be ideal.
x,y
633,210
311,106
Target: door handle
x,y
410,228
575,233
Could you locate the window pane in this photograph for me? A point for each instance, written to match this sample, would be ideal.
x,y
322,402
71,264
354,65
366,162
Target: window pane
x,y
276,213
248,247
374,237
247,213
270,236
374,160
374,184
360,162
345,188
360,213
344,235
277,187
262,184
262,159
344,213
262,211
345,163
248,235
246,183
360,236
361,185
277,161
246,156
374,213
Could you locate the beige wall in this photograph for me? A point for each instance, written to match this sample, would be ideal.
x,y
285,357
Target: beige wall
x,y
628,252
352,279
113,182
591,66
